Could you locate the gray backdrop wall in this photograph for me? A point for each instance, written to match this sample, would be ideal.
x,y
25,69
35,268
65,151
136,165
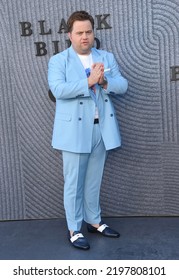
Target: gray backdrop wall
x,y
142,177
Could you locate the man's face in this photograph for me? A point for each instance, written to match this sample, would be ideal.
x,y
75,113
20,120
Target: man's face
x,y
82,37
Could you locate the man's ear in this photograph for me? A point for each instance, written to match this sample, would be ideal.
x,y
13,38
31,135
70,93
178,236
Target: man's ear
x,y
69,35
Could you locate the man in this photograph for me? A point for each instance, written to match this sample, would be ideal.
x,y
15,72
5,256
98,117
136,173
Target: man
x,y
81,79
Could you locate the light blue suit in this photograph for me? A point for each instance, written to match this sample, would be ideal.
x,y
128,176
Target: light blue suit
x,y
75,133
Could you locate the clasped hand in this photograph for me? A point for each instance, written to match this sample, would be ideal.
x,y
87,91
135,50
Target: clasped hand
x,y
96,75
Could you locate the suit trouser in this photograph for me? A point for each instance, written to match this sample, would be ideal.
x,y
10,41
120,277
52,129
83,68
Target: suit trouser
x,y
82,180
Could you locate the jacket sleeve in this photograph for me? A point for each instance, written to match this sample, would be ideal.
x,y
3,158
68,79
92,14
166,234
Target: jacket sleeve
x,y
117,84
57,80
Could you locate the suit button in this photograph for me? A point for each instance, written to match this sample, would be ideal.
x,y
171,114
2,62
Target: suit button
x,y
106,100
81,103
79,119
111,115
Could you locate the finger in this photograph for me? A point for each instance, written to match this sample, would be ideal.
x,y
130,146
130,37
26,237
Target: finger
x,y
93,65
98,65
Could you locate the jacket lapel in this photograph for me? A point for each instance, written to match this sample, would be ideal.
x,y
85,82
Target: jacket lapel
x,y
76,63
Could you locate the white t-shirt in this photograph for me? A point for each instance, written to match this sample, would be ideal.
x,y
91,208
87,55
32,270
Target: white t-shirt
x,y
87,61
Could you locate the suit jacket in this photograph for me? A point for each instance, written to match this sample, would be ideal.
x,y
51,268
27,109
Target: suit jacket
x,y
75,109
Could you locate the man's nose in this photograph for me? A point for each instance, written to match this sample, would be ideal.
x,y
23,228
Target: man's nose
x,y
84,35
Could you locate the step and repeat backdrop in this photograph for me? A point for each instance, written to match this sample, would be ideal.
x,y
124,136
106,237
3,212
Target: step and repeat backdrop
x,y
141,178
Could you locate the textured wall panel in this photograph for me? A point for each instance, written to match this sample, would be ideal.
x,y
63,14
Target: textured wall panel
x,y
141,178
166,21
11,186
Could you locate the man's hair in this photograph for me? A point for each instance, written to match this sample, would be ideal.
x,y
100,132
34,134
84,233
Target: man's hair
x,y
79,16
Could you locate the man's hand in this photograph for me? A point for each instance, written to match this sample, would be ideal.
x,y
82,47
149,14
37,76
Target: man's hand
x,y
96,75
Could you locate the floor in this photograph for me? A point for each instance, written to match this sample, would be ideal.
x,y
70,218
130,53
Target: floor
x,y
142,238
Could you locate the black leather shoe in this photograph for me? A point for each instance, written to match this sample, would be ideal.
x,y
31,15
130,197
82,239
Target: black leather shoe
x,y
104,230
78,240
